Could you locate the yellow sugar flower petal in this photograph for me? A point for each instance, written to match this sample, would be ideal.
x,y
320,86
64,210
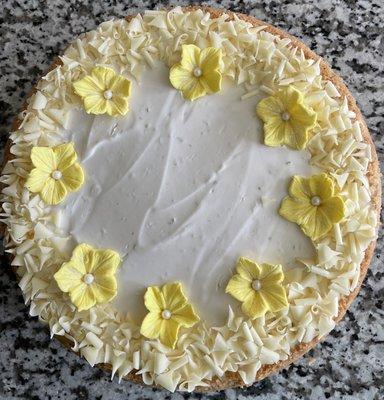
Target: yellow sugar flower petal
x,y
104,92
36,180
168,311
104,262
324,217
296,211
53,192
239,288
334,209
269,108
174,296
151,325
185,316
211,81
169,332
65,155
180,77
120,86
82,257
287,121
303,116
190,56
103,76
95,104
154,299
82,297
259,287
295,136
289,97
254,306
248,269
271,274
92,273
299,188
198,72
68,277
73,177
274,296
119,106
316,225
321,185
274,132
104,289
43,158
313,205
87,86
210,59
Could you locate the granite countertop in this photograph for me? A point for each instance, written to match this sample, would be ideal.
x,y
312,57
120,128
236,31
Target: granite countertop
x,y
349,364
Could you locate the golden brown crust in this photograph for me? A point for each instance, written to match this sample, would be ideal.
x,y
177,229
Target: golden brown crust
x,y
232,379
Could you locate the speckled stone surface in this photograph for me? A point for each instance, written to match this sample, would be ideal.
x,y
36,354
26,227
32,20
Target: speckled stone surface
x,y
350,363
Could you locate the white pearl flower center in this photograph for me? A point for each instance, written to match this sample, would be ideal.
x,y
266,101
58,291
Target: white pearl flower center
x,y
285,116
197,72
256,285
166,314
316,201
56,175
108,94
88,279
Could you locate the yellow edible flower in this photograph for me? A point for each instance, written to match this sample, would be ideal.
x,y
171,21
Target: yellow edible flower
x,y
89,276
104,92
287,120
56,172
198,72
168,311
313,205
259,287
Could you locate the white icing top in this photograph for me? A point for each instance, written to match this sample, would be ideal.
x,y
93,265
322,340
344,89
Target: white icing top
x,y
264,64
181,190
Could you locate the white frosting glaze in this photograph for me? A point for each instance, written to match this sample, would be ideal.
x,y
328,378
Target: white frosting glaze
x,y
181,190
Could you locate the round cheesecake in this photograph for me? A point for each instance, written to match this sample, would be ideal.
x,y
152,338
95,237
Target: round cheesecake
x,y
191,198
